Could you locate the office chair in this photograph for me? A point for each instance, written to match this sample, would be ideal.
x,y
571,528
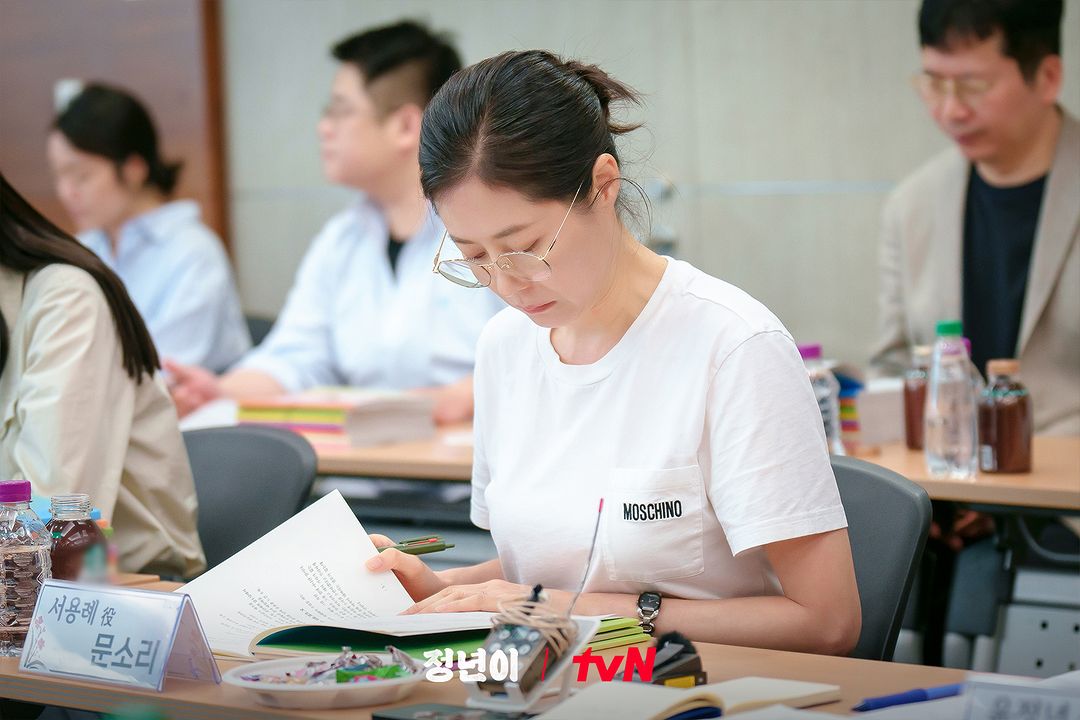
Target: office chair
x,y
888,521
248,480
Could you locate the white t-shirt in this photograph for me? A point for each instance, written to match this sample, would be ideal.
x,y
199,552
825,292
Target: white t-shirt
x,y
699,429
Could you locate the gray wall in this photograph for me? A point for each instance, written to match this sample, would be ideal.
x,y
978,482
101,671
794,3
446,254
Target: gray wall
x,y
782,124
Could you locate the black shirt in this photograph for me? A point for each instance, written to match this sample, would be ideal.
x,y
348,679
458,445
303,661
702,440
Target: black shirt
x,y
393,250
999,234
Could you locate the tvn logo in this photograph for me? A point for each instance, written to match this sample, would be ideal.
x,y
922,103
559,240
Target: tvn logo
x,y
636,667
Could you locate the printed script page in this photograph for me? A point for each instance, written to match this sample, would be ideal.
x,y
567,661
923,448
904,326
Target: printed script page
x,y
307,571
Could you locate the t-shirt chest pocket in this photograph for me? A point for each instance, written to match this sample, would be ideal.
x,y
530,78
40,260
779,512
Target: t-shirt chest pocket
x,y
653,524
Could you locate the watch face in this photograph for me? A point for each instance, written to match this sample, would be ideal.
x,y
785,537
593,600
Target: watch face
x,y
649,601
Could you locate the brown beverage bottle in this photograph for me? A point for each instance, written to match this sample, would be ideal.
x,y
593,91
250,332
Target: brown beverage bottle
x,y
1005,421
80,550
915,396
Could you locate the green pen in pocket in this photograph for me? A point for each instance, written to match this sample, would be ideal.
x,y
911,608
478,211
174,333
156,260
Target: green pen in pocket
x,y
420,545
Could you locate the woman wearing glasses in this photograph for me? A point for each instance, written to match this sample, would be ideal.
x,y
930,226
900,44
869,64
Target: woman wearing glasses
x,y
622,375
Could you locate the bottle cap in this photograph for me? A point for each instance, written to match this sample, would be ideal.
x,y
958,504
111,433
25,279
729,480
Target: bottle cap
x,y
810,352
14,491
950,328
71,504
1001,366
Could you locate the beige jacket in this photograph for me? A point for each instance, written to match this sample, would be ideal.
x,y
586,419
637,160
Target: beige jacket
x,y
73,421
921,262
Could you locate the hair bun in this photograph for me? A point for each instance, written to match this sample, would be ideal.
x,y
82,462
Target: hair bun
x,y
607,89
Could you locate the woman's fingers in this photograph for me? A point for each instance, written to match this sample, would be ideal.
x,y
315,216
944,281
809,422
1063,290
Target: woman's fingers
x,y
419,580
423,605
380,540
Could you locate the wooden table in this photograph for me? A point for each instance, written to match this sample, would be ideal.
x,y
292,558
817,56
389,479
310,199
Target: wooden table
x,y
185,699
446,457
1054,482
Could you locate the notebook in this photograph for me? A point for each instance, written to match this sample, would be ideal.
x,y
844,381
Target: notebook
x,y
613,632
656,702
617,632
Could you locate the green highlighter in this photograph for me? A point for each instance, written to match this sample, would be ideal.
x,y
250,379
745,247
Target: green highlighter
x,y
420,545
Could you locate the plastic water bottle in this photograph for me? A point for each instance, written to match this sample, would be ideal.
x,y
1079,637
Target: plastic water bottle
x,y
951,431
827,390
24,563
977,382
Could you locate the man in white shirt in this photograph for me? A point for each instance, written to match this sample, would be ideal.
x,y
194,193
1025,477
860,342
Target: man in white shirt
x,y
366,308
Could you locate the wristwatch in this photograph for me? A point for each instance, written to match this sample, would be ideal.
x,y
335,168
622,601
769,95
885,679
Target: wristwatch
x,y
648,607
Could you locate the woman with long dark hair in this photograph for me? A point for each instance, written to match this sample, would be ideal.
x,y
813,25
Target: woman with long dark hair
x,y
82,407
117,188
621,375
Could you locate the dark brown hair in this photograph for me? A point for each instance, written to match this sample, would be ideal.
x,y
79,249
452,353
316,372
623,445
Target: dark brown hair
x,y
526,120
1030,29
384,50
109,122
28,242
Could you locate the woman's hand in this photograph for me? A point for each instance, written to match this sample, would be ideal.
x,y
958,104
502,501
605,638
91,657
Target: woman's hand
x,y
190,386
484,596
419,580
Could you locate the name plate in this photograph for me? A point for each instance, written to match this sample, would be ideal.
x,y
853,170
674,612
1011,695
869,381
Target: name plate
x,y
991,700
125,636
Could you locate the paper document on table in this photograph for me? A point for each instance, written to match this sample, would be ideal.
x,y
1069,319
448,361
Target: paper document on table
x,y
216,413
308,571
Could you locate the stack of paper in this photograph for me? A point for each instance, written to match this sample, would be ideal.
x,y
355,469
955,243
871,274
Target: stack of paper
x,y
617,632
345,416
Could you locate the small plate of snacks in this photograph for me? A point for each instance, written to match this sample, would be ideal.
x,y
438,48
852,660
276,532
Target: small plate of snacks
x,y
322,682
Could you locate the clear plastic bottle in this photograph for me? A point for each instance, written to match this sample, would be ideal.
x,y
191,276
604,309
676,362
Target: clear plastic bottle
x,y
951,431
977,382
827,390
24,562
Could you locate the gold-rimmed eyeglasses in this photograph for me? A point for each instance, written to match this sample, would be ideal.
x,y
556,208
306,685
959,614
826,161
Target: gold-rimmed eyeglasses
x,y
933,89
473,273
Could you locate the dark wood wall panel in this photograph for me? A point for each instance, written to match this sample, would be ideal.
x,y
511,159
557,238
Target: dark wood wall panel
x,y
166,51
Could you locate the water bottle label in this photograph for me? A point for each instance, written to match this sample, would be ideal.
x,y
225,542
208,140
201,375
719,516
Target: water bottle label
x,y
95,566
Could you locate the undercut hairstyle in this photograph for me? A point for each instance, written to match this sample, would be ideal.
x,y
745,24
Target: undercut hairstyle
x,y
401,63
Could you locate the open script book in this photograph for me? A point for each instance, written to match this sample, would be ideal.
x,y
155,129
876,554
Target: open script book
x,y
655,702
308,573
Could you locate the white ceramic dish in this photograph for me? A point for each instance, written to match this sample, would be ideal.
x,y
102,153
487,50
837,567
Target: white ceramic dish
x,y
318,696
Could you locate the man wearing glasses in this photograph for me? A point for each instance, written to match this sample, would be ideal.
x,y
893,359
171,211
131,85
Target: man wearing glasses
x,y
365,309
988,231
